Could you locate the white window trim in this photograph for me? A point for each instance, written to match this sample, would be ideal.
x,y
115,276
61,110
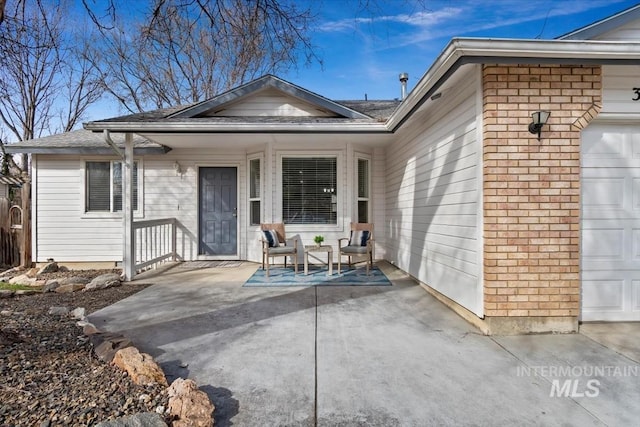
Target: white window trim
x,y
367,157
258,156
300,228
139,213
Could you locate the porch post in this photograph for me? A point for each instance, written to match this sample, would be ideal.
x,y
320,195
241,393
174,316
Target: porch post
x,y
128,250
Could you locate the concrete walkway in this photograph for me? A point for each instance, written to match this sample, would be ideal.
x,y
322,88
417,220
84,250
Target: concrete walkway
x,y
365,356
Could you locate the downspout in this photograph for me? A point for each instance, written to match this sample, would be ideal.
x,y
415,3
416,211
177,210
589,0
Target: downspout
x,y
108,140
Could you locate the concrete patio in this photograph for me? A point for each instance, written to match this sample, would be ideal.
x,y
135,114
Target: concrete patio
x,y
367,356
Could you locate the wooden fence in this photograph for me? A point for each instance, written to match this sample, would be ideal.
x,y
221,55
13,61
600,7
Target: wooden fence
x,y
9,237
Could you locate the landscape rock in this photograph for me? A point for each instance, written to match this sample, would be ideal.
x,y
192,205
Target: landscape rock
x,y
74,280
144,419
51,285
32,272
107,344
88,328
103,282
20,292
191,406
22,279
78,313
6,293
48,376
58,311
10,273
51,267
74,287
141,367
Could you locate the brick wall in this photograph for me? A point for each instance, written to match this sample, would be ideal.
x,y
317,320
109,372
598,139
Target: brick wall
x,y
532,188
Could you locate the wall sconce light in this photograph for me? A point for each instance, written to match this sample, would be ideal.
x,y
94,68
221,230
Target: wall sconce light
x,y
539,119
177,168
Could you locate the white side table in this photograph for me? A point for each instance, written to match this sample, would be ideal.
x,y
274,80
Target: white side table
x,y
310,249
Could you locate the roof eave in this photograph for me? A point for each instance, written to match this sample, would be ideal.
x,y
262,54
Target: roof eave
x,y
461,51
165,127
97,151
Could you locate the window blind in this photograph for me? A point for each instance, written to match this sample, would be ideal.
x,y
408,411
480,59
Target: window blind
x,y
98,186
309,190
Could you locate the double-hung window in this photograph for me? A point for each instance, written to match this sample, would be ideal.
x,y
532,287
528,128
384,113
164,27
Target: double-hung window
x,y
103,192
254,191
363,190
309,190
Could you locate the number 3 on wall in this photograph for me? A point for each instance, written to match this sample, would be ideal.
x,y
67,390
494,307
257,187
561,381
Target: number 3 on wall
x,y
636,90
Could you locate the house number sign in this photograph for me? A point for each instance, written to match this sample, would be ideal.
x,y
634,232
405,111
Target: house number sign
x,y
636,91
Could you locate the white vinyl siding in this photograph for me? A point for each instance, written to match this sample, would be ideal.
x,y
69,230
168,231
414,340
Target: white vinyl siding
x,y
610,252
63,232
270,102
433,195
627,32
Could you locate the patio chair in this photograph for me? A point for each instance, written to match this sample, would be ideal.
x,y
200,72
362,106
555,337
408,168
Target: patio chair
x,y
360,244
274,244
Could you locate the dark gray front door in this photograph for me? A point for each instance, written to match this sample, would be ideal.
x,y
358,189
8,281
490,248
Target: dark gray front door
x,y
218,211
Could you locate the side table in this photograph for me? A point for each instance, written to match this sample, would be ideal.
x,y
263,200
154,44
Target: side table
x,y
310,249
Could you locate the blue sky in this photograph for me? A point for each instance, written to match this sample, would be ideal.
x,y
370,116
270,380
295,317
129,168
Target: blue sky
x,y
364,51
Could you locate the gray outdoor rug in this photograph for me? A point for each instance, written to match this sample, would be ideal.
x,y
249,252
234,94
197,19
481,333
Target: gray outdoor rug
x,y
279,276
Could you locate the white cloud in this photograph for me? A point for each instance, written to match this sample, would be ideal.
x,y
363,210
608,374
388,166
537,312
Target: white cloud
x,y
418,19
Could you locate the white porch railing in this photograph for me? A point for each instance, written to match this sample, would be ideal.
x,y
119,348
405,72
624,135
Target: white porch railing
x,y
154,241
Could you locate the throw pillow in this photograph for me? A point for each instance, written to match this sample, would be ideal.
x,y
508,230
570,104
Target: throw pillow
x,y
359,238
272,238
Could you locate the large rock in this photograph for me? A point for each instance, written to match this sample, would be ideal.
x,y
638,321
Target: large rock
x,y
107,344
141,367
65,289
23,279
73,280
191,406
5,275
32,272
78,313
104,281
59,311
51,267
144,419
51,285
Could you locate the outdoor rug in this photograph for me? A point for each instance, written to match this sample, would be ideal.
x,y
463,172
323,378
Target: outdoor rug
x,y
279,276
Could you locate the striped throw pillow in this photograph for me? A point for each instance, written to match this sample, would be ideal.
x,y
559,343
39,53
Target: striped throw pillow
x,y
272,238
359,238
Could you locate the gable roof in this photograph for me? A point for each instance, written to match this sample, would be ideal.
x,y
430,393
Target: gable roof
x,y
605,25
262,83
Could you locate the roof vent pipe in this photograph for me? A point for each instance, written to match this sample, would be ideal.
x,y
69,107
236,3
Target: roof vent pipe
x,y
404,78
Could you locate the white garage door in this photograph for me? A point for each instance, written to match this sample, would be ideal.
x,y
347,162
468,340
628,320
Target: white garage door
x,y
610,222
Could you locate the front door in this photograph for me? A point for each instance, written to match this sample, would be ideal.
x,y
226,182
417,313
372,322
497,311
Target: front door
x,y
218,211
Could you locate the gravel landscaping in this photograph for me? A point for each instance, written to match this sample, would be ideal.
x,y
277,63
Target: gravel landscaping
x,y
48,373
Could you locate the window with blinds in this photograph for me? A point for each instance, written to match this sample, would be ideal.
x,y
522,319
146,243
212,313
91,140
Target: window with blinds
x,y
309,190
254,191
104,186
363,190
98,191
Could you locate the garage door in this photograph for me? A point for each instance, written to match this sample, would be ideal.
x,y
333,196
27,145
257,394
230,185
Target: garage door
x,y
610,241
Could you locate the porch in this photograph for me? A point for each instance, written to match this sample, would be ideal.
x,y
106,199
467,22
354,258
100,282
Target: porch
x,y
379,356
